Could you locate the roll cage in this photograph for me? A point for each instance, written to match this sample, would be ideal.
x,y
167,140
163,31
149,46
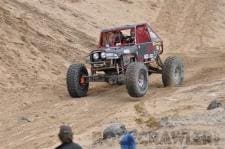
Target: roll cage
x,y
143,33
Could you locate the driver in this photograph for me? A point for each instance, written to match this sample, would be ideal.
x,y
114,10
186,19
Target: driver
x,y
118,37
130,39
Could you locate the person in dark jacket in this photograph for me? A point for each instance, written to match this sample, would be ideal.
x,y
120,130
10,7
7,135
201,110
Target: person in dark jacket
x,y
66,137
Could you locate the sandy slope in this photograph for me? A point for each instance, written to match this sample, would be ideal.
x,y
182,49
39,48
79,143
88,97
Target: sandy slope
x,y
39,39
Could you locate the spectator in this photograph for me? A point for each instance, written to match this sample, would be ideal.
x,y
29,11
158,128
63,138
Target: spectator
x,y
66,137
128,141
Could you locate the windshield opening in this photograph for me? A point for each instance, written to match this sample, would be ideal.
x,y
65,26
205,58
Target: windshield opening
x,y
118,38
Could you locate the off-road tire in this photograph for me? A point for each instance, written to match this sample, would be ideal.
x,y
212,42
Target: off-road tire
x,y
172,72
74,74
135,74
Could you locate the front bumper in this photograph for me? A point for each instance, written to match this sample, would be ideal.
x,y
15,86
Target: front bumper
x,y
103,64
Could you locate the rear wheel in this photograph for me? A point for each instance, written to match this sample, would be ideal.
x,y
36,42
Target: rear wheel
x,y
173,72
137,79
77,83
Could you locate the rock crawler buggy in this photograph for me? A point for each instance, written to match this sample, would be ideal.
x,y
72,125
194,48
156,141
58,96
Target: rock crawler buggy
x,y
125,55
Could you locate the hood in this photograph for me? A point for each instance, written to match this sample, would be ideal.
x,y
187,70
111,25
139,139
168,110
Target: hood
x,y
118,50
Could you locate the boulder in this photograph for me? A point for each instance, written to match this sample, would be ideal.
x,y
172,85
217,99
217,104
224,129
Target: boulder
x,y
114,130
214,104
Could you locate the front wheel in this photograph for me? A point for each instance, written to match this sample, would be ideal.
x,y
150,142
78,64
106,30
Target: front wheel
x,y
77,82
172,72
137,79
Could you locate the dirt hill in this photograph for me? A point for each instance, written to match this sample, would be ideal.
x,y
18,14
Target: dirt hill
x,y
39,39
